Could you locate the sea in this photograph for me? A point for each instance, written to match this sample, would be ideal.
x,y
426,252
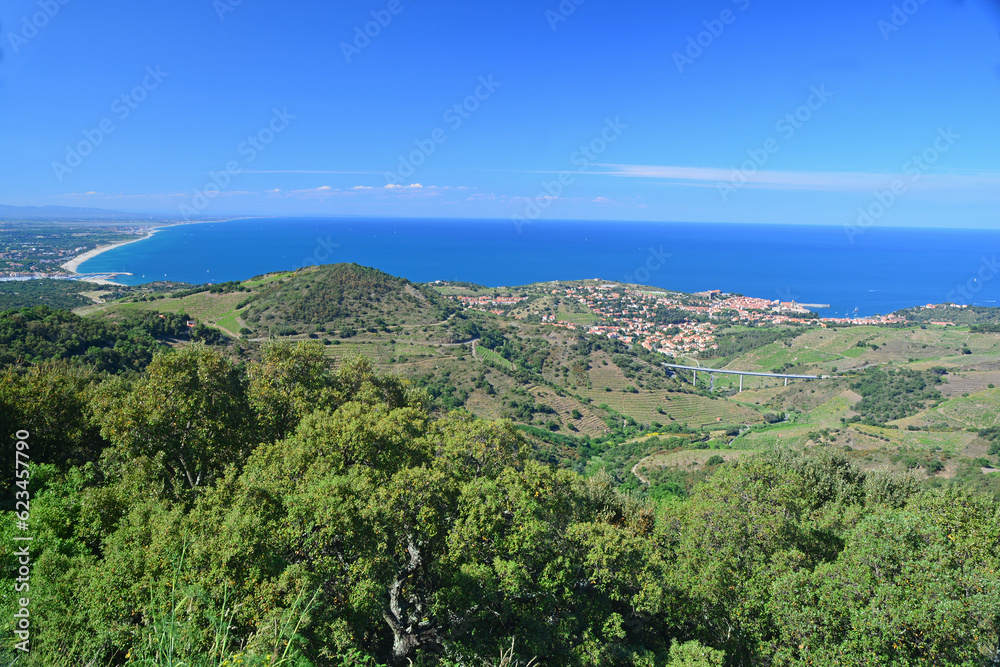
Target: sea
x,y
854,271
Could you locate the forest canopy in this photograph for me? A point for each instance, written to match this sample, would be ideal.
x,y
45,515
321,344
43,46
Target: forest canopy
x,y
285,511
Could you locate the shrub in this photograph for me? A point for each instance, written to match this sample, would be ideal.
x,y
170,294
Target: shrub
x,y
934,467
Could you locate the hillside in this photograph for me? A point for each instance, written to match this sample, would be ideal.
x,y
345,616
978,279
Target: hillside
x,y
340,297
46,292
342,300
523,353
899,410
212,512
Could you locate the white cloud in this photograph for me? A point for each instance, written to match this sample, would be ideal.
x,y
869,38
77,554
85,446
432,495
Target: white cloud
x,y
831,181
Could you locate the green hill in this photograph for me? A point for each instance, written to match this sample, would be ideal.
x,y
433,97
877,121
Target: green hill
x,y
340,296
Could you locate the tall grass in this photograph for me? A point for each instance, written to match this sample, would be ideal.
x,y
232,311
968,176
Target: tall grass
x,y
175,631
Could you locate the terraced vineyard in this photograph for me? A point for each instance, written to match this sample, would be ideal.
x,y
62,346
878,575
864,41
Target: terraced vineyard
x,y
980,410
589,423
695,410
958,383
490,357
604,373
689,457
830,412
380,353
782,435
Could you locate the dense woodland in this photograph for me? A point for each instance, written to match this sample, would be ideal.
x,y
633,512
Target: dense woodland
x,y
191,507
48,292
33,335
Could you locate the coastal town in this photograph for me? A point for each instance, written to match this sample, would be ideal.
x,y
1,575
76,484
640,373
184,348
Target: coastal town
x,y
49,250
670,323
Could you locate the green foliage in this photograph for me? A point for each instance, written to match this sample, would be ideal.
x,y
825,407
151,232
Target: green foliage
x,y
288,383
529,354
285,512
52,293
493,359
342,295
208,335
992,434
32,335
488,337
189,416
973,315
49,401
907,589
893,393
442,391
693,654
175,639
735,343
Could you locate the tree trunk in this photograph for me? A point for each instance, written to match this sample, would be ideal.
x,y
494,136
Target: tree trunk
x,y
407,634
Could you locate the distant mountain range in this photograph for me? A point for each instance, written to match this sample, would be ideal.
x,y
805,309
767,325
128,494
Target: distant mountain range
x,y
69,213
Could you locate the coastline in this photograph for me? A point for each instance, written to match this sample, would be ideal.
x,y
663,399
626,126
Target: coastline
x,y
72,265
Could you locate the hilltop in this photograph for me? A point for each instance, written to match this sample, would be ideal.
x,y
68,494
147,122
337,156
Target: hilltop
x,y
340,297
337,301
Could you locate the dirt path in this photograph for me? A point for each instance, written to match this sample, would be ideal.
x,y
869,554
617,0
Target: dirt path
x,y
635,470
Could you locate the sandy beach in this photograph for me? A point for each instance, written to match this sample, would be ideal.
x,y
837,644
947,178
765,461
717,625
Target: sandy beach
x,y
72,265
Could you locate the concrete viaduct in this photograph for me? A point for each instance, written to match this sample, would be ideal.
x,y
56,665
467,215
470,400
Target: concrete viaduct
x,y
742,373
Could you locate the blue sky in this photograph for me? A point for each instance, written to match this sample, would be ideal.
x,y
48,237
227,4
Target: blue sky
x,y
720,110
